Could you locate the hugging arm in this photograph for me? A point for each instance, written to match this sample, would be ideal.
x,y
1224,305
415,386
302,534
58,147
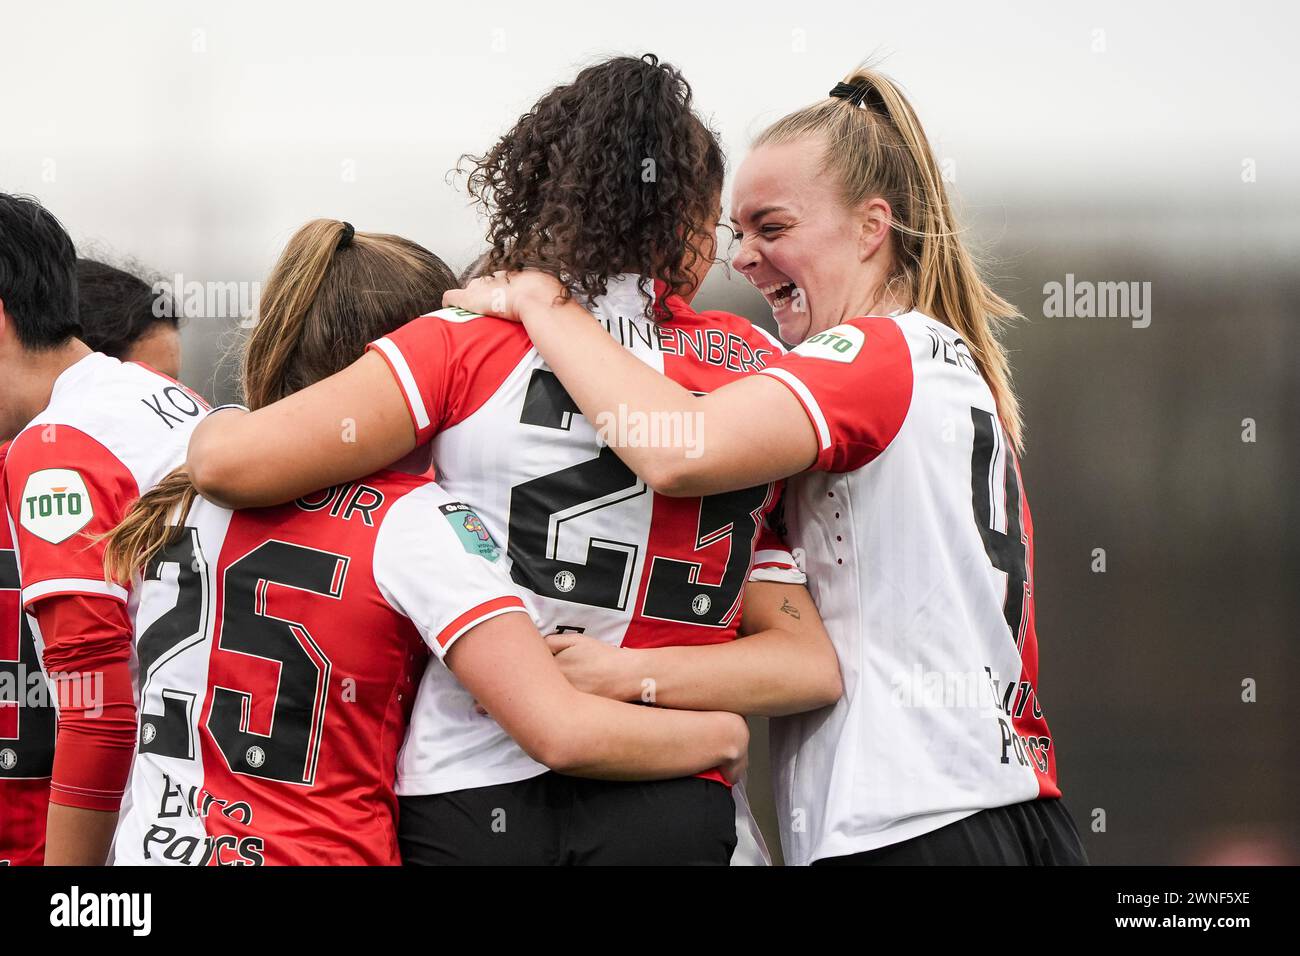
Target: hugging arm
x,y
753,430
341,428
508,669
784,664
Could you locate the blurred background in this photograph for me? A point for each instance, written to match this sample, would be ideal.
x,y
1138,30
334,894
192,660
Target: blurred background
x,y
1157,145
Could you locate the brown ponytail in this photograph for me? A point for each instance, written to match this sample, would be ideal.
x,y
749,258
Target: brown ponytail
x,y
332,292
879,148
153,522
324,302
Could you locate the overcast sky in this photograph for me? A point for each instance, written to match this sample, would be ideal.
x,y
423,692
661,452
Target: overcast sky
x,y
198,136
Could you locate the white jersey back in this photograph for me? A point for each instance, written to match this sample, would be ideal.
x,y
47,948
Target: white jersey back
x,y
594,548
917,543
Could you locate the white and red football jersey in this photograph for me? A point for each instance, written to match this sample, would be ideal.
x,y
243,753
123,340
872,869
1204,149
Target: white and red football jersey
x,y
110,432
280,650
594,548
26,720
919,553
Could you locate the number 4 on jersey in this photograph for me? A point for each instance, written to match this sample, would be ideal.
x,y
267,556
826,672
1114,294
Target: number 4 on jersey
x,y
1006,549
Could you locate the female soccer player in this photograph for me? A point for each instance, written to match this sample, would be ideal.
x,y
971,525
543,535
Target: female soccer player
x,y
898,406
615,183
280,648
115,311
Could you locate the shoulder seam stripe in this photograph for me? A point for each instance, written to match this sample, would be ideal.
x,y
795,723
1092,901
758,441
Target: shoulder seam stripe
x,y
397,362
801,390
34,592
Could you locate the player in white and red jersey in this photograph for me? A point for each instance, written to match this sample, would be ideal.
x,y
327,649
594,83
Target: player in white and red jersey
x,y
26,719
280,648
93,433
917,535
116,315
597,551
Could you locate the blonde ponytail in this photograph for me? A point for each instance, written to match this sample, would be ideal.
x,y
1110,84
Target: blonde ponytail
x,y
153,522
876,146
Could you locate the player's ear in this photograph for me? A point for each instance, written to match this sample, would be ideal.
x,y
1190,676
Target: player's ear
x,y
875,218
10,344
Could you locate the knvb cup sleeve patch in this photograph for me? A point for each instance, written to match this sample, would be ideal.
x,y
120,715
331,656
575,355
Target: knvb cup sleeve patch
x,y
55,504
470,529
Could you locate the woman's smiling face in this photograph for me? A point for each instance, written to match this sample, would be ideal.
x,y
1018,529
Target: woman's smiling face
x,y
797,243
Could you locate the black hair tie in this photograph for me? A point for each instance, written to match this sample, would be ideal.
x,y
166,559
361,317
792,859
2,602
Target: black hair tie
x,y
856,95
346,238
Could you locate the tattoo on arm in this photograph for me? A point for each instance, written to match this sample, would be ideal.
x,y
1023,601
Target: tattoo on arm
x,y
788,608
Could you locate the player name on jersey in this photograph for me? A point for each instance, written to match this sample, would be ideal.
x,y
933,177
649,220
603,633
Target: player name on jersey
x,y
722,348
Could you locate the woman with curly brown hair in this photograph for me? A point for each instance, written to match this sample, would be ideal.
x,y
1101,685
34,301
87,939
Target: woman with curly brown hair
x,y
611,184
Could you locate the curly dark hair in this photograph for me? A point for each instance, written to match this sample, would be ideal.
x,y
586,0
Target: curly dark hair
x,y
612,173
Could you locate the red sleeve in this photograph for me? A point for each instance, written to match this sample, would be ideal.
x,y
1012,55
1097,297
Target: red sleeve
x,y
450,362
87,653
855,383
62,487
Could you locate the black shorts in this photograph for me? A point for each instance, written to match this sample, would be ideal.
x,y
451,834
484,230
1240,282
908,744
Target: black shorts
x,y
1036,833
554,820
